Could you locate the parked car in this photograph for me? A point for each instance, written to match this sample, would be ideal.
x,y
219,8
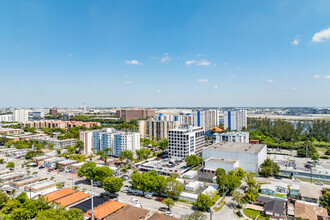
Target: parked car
x,y
163,209
319,183
135,201
159,199
41,167
169,214
278,177
239,214
148,195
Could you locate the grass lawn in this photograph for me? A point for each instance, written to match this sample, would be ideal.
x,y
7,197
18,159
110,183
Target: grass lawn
x,y
251,213
279,195
219,206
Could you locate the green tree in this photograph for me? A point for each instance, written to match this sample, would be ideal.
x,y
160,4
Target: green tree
x,y
326,201
78,157
126,155
101,173
112,184
172,187
315,156
250,180
3,199
169,202
197,215
237,197
204,202
60,213
269,167
58,151
79,147
193,160
86,170
10,165
159,184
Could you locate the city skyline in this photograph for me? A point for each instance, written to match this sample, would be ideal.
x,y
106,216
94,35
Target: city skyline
x,y
163,54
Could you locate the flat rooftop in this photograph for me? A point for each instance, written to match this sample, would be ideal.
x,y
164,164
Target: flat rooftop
x,y
237,147
220,160
40,185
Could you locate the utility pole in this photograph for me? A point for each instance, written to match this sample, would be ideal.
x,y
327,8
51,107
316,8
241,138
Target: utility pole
x,y
92,202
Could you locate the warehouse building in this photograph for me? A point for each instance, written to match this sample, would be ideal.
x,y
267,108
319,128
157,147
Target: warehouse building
x,y
248,156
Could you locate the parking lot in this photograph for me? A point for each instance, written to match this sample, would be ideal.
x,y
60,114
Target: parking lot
x,y
164,166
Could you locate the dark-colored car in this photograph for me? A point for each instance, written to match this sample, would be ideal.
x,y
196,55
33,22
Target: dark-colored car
x,y
278,177
239,214
163,209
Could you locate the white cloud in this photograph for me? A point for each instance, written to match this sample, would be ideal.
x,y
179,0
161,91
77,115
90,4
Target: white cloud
x,y
215,86
203,63
189,62
203,80
322,35
156,91
270,81
317,76
128,82
327,77
134,62
165,59
295,42
198,63
294,89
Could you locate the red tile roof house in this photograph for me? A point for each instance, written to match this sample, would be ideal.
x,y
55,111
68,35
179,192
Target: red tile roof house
x,y
66,197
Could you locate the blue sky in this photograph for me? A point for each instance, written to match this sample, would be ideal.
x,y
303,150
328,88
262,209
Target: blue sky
x,y
164,53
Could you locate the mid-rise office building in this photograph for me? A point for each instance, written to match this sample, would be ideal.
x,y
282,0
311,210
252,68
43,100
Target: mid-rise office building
x,y
206,119
156,129
134,114
241,137
58,124
21,115
185,140
117,141
235,120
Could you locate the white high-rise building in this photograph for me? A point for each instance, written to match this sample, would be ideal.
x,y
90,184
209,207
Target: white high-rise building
x,y
117,141
6,118
184,141
185,119
86,137
206,119
21,115
235,120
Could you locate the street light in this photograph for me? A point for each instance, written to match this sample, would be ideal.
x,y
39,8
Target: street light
x,y
92,202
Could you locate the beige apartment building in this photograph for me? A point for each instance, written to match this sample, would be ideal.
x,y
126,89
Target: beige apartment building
x,y
156,129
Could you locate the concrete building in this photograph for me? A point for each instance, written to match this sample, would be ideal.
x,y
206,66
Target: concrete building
x,y
53,111
21,115
162,117
57,143
117,141
268,189
249,156
206,119
235,120
134,114
38,115
241,137
156,129
58,124
185,119
86,137
185,140
212,164
6,118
